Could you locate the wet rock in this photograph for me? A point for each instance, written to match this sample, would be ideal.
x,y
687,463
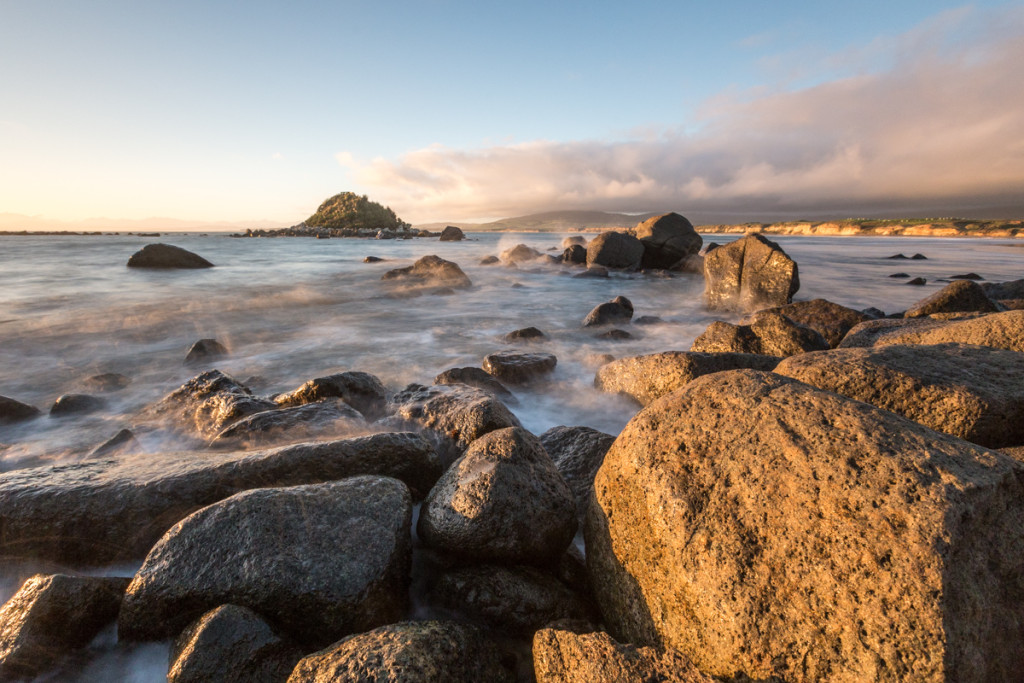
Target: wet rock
x,y
504,500
896,257
166,256
408,651
617,311
452,233
433,271
749,274
593,271
16,411
373,259
577,453
574,240
106,382
875,512
122,442
524,334
205,351
962,296
113,509
917,281
575,254
828,319
667,240
615,250
76,404
231,643
361,390
520,254
208,403
900,275
50,616
649,377
966,276
519,368
999,330
648,320
329,416
919,257
321,561
489,260
614,335
475,377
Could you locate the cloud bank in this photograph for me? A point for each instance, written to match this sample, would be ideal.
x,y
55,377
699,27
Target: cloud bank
x,y
938,131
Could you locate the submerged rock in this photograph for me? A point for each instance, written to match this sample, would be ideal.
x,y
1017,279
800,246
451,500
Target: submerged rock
x,y
205,351
617,311
16,411
524,334
519,368
478,378
520,254
107,382
122,442
431,270
76,404
748,274
166,256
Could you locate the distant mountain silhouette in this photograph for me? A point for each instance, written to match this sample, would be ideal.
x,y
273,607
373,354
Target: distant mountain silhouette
x,y
552,221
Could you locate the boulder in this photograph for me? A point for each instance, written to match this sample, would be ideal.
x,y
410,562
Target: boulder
x,y
615,250
575,254
770,333
748,274
361,390
76,404
122,442
107,382
520,254
828,319
231,643
917,282
16,411
593,272
615,312
524,334
574,240
577,453
166,256
205,351
667,240
503,500
373,259
50,616
476,377
519,368
647,378
723,337
408,651
331,416
431,270
321,561
208,403
489,260
997,291
114,509
999,330
452,233
767,528
962,296
966,276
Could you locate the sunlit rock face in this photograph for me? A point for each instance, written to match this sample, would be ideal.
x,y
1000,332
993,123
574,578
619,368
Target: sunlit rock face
x,y
748,274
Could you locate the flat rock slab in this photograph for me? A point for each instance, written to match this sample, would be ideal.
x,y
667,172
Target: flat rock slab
x,y
166,256
999,330
330,416
114,509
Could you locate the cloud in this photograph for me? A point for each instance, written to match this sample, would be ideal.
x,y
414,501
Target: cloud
x,y
938,129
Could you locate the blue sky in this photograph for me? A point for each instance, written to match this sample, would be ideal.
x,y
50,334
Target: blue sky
x,y
257,111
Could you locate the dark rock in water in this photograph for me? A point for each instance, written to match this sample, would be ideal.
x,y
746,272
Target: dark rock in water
x,y
408,651
877,511
618,310
748,274
166,256
520,254
231,643
830,320
615,250
1014,289
525,334
76,404
519,368
16,411
208,403
102,511
331,415
962,296
917,281
373,259
574,240
896,256
361,390
900,275
321,561
577,453
667,240
614,335
576,254
503,500
873,313
919,257
593,271
206,351
107,382
489,260
122,442
966,276
431,270
475,377
52,615
648,320
452,234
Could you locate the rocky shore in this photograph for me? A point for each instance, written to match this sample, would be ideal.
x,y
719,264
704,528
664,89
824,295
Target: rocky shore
x,y
809,492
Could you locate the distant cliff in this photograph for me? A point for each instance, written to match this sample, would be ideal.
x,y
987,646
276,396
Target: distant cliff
x,y
908,227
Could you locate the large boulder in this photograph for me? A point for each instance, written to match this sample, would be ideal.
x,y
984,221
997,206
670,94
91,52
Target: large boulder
x,y
577,453
615,250
828,319
667,240
166,256
519,368
329,416
766,528
321,561
431,270
770,334
615,312
408,651
114,509
12,410
208,403
52,615
504,500
361,390
973,392
452,233
646,378
520,254
575,254
748,274
962,296
999,330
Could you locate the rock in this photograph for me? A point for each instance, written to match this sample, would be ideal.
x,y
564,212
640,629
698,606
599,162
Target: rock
x,y
433,271
694,263
122,442
520,254
408,651
766,528
896,256
872,313
966,276
900,275
107,382
321,561
962,296
917,281
489,260
519,368
593,271
648,320
617,311
98,512
575,254
514,600
574,240
166,256
723,337
52,615
361,390
205,351
749,274
329,416
614,335
231,643
373,259
475,377
503,500
779,335
208,403
452,233
830,320
919,257
999,330
615,250
561,655
76,404
524,334
997,291
667,240
577,453
16,411
647,378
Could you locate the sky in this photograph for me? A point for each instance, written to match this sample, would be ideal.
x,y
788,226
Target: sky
x,y
255,112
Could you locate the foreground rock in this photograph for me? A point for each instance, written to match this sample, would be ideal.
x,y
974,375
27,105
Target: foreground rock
x,y
749,274
322,561
504,500
962,296
770,334
208,403
999,330
646,378
828,319
431,270
615,250
166,256
452,233
114,509
361,390
16,411
476,377
330,416
667,240
50,616
822,538
205,351
408,651
519,368
615,312
577,453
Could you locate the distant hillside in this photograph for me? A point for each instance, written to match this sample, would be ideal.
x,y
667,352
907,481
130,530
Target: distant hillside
x,y
552,221
349,211
907,227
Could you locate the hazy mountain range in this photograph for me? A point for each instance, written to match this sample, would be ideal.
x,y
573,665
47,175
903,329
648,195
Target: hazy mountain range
x,y
551,221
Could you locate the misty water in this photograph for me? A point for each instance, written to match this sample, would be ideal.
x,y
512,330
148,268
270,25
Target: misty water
x,y
291,309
